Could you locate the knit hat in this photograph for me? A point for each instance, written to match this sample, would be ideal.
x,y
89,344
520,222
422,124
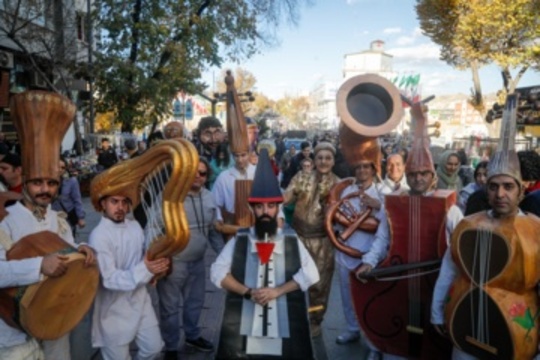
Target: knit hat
x,y
505,160
265,187
41,119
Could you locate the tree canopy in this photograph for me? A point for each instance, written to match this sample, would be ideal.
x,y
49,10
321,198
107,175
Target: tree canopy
x,y
149,50
474,33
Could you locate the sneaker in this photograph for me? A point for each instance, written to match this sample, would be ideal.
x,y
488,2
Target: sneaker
x,y
200,344
348,337
374,355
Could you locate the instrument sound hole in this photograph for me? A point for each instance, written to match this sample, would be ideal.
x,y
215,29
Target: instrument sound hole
x,y
370,104
484,254
475,316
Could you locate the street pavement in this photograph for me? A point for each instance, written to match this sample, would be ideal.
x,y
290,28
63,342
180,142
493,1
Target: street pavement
x,y
210,321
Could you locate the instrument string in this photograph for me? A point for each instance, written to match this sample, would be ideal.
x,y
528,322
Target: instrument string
x,y
413,256
152,199
480,269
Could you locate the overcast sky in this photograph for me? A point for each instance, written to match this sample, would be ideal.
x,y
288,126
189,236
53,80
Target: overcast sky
x,y
315,50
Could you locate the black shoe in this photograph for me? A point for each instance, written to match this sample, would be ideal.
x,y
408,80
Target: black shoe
x,y
200,344
171,355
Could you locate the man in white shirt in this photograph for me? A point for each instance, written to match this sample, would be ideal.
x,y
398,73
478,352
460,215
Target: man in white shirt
x,y
373,245
395,178
123,309
266,309
33,214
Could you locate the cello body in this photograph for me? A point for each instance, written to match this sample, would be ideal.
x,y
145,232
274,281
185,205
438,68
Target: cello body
x,y
394,313
492,311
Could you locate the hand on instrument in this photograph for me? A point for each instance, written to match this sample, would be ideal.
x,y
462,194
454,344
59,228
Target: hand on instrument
x,y
370,202
441,329
54,265
157,266
263,296
81,223
363,269
90,255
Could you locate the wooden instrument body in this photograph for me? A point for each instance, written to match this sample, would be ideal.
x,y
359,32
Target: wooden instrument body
x,y
243,216
394,313
498,298
54,306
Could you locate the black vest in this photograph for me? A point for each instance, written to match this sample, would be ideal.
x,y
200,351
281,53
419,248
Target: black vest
x,y
232,345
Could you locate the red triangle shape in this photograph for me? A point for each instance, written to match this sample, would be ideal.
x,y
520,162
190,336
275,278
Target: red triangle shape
x,y
264,250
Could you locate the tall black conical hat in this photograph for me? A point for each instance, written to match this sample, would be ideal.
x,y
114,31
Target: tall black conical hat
x,y
265,187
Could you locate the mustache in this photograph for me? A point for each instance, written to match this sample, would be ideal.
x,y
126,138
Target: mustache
x,y
45,194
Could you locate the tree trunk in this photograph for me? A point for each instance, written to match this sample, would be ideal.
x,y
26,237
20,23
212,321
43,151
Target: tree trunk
x,y
477,90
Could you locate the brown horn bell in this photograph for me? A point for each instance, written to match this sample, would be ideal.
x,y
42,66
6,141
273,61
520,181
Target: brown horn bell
x,y
369,106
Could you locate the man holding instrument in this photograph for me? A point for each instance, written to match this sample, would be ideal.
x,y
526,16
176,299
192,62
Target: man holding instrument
x,y
486,295
420,221
123,310
266,274
41,176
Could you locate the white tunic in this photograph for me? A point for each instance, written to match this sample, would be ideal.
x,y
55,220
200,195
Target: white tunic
x,y
375,246
122,297
223,190
19,223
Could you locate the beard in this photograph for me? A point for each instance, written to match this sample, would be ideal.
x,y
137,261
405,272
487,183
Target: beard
x,y
265,225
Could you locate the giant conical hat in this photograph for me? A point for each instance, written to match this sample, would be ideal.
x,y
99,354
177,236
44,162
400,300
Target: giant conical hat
x,y
419,158
236,122
41,119
265,187
505,161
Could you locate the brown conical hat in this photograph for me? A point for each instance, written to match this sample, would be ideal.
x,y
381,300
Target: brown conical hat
x,y
41,119
236,122
419,158
505,161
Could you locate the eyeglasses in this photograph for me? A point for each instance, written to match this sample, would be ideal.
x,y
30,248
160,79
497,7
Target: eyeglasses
x,y
202,173
365,166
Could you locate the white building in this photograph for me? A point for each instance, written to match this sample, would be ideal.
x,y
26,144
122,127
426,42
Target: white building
x,y
373,61
322,98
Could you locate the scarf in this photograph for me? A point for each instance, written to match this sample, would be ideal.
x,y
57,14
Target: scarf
x,y
452,181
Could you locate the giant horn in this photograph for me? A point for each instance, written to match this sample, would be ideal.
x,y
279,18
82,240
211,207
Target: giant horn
x,y
369,106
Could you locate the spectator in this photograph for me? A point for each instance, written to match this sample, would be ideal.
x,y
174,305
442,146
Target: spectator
x,y
131,148
480,178
447,171
11,172
107,156
69,199
221,161
294,167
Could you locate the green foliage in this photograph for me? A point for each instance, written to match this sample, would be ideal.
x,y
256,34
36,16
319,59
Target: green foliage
x,y
151,50
473,33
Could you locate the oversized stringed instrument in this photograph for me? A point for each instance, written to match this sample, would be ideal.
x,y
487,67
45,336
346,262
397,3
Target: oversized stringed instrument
x,y
53,306
492,311
158,181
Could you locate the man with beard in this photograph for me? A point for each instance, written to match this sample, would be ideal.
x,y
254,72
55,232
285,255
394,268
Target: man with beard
x,y
266,274
210,133
123,309
33,214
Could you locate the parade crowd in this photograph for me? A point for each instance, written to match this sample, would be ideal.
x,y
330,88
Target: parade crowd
x,y
277,302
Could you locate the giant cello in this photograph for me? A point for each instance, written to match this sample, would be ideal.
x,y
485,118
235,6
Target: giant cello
x,y
393,306
492,311
237,131
49,309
